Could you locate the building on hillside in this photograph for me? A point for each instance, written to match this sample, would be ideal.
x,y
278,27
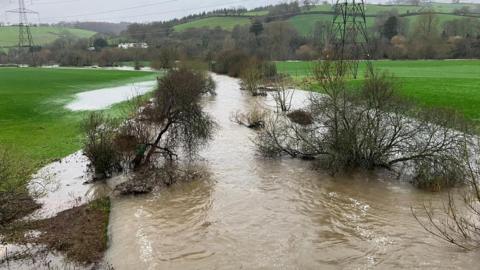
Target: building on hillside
x,y
125,46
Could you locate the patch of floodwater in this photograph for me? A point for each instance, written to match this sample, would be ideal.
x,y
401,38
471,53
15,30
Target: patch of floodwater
x,y
62,185
104,98
57,187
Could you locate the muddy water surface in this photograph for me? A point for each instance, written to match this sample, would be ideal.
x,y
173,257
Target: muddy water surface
x,y
255,213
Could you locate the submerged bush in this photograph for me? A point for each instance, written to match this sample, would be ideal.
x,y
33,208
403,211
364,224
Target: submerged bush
x,y
99,145
254,119
457,221
437,175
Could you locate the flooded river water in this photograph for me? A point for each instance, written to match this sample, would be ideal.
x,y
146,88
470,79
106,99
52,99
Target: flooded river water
x,y
256,213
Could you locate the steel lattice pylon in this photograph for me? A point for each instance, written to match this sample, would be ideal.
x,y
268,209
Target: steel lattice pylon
x,y
25,38
349,37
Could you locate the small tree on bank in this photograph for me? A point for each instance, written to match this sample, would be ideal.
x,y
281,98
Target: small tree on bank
x,y
171,126
177,115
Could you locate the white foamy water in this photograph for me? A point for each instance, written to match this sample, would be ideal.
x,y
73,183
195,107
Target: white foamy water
x,y
104,98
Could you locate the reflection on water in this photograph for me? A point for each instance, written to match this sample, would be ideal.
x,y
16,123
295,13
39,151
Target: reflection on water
x,y
256,213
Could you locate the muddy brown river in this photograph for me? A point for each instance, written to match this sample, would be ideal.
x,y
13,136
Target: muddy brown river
x,y
256,213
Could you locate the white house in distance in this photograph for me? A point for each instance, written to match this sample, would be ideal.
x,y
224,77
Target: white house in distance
x,y
125,46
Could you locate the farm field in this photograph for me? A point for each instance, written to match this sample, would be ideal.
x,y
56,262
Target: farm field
x,y
33,117
453,84
41,34
226,23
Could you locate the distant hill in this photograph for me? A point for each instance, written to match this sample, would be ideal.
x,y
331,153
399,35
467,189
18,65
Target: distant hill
x,y
42,35
99,27
226,23
305,21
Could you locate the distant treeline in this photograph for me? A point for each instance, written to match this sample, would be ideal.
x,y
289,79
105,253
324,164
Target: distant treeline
x,y
391,36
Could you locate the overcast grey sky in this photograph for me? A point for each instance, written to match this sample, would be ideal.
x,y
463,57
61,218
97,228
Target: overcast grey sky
x,y
121,10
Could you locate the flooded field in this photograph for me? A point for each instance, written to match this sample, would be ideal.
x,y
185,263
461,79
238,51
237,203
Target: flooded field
x,y
103,98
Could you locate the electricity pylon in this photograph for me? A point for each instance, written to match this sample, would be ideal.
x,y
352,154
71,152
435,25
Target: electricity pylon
x,y
25,39
349,37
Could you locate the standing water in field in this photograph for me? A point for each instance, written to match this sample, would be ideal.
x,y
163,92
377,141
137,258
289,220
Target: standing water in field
x,y
256,213
103,98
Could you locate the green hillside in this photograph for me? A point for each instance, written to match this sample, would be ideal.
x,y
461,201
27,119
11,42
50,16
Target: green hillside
x,y
305,22
42,35
227,23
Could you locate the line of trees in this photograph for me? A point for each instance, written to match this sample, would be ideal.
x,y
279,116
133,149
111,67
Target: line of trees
x,y
392,36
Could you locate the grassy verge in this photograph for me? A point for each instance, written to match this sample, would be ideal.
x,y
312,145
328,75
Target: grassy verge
x,y
32,115
452,84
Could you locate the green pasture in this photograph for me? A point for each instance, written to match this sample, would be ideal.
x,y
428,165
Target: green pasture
x,y
453,84
33,119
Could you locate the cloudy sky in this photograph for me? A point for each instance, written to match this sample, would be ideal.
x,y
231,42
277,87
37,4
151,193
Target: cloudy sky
x,y
121,10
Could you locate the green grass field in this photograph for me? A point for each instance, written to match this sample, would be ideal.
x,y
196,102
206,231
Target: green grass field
x,y
33,119
453,84
42,35
226,23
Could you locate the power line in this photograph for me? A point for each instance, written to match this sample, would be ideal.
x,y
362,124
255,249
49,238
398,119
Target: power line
x,y
113,10
54,2
156,13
